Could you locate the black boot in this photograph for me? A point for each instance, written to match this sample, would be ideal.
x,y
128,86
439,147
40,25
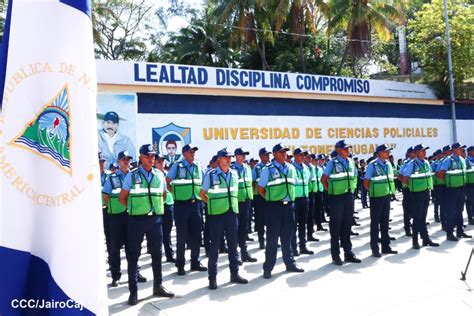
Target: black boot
x,y
236,278
159,290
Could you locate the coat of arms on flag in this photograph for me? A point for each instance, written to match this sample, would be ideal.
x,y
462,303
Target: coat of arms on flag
x,y
48,134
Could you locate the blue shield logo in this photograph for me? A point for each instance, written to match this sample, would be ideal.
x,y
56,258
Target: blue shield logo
x,y
169,140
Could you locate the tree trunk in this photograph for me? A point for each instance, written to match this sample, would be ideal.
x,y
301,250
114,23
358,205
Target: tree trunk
x,y
302,59
343,59
402,43
261,52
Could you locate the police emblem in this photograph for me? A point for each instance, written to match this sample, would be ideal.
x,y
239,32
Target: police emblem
x,y
169,139
48,134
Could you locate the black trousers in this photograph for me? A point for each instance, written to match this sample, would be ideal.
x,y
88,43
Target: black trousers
x,y
470,201
406,204
260,205
301,218
118,225
379,219
454,209
168,220
420,202
243,220
311,215
340,223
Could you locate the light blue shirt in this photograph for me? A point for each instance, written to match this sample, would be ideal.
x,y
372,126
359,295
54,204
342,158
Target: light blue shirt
x,y
107,189
254,170
206,183
330,164
470,161
127,182
412,166
434,165
446,165
240,170
369,173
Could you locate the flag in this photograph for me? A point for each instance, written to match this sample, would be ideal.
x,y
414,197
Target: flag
x,y
52,254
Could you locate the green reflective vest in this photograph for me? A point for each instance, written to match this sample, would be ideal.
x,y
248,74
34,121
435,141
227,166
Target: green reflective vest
x,y
258,171
220,196
456,175
114,206
280,185
245,183
144,196
103,179
382,182
302,181
469,172
187,186
420,180
342,179
316,184
436,180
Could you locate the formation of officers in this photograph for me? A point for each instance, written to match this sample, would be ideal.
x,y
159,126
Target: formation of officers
x,y
287,197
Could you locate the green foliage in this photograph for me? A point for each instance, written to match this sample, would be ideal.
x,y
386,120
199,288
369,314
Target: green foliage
x,y
427,40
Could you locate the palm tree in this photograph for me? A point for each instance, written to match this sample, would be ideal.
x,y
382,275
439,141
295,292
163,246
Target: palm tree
x,y
301,15
249,22
359,18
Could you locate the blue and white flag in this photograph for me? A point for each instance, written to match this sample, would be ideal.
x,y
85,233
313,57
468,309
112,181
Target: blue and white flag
x,y
52,254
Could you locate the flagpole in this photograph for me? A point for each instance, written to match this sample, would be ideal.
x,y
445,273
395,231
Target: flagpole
x,y
450,70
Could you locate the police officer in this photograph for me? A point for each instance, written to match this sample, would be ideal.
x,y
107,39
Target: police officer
x,y
184,180
417,176
379,181
168,216
317,189
245,196
143,193
339,179
220,193
437,185
406,202
277,187
322,162
259,201
453,171
443,200
470,184
105,215
303,177
207,240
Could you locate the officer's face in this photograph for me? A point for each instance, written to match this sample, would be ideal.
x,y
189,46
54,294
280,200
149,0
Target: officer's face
x,y
471,153
280,156
214,164
343,152
421,154
265,158
147,161
299,159
110,127
307,159
458,151
384,155
224,163
124,163
240,159
159,164
189,155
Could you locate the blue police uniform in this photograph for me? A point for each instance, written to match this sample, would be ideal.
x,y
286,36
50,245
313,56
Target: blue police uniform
x,y
118,225
470,188
406,202
279,222
168,221
301,216
105,219
419,204
379,209
259,206
219,225
318,201
437,190
188,220
341,215
139,226
244,215
454,198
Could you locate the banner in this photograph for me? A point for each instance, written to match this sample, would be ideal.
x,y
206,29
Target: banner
x,y
52,254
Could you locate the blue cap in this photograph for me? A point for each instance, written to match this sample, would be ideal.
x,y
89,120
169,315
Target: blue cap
x,y
458,145
123,154
438,152
447,147
278,147
383,147
410,150
299,151
263,151
223,153
253,160
113,165
470,148
214,158
333,154
147,149
111,116
313,156
322,156
240,151
420,147
189,147
102,157
342,144
159,156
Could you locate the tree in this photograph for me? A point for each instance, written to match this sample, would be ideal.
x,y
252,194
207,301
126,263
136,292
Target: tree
x,y
428,43
118,29
3,15
358,18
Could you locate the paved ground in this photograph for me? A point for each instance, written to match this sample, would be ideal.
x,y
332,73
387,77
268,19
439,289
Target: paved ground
x,y
423,282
